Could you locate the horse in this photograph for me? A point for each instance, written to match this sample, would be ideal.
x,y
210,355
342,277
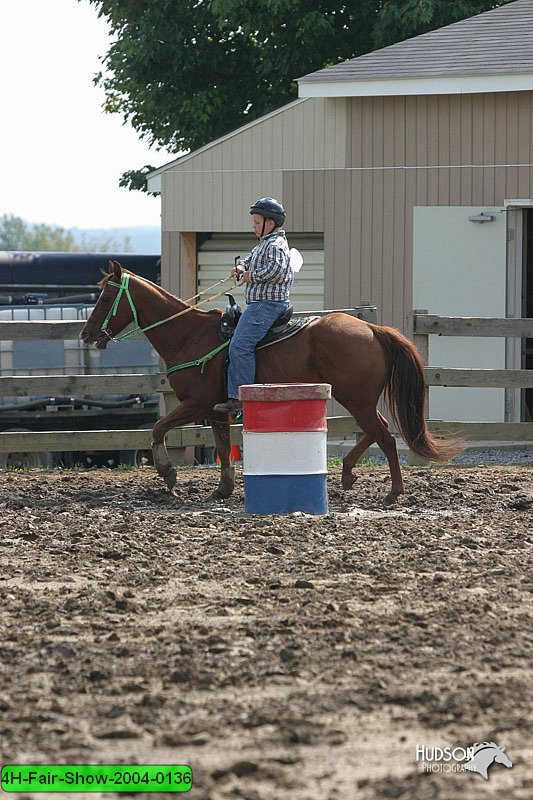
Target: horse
x,y
483,755
359,359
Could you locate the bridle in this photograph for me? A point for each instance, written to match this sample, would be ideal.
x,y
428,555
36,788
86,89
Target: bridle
x,y
123,289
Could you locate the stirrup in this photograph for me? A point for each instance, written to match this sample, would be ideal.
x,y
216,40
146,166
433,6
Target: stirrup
x,y
229,407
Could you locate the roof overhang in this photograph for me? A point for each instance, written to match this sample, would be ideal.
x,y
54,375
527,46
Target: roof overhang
x,y
386,87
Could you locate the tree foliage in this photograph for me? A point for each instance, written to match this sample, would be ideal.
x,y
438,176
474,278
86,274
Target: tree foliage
x,y
16,234
184,72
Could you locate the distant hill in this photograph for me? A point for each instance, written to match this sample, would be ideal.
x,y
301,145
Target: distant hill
x,y
145,239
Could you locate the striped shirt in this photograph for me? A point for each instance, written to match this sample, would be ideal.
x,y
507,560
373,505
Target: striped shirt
x,y
269,268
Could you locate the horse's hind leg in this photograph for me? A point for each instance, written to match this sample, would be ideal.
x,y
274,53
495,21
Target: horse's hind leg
x,y
374,426
352,457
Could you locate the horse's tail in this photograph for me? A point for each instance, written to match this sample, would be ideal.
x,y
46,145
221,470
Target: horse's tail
x,y
405,394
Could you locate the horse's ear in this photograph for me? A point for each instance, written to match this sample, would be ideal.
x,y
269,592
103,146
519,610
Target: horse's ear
x,y
107,275
116,270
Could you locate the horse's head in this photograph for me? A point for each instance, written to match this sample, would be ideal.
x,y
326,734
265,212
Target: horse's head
x,y
113,311
502,758
483,755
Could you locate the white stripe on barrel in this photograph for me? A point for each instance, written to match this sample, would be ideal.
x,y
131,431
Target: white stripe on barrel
x,y
284,447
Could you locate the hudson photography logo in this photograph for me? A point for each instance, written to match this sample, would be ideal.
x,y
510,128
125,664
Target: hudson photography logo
x,y
477,757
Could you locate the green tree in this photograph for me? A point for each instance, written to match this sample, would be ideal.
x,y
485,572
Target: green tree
x,y
184,72
16,234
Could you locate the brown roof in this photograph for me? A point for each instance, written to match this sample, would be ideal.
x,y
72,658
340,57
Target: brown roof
x,y
497,41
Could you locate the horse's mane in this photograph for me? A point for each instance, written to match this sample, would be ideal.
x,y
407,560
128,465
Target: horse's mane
x,y
168,295
478,747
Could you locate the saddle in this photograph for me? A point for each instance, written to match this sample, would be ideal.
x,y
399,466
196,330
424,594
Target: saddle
x,y
285,325
230,318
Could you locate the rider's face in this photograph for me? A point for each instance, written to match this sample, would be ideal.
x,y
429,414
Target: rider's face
x,y
257,225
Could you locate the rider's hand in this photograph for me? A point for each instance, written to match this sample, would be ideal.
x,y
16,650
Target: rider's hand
x,y
239,274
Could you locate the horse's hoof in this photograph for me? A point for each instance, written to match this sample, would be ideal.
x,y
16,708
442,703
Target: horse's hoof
x,y
226,484
220,494
347,480
170,479
390,499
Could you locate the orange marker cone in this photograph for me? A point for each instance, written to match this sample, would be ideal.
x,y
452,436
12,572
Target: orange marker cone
x,y
235,452
234,455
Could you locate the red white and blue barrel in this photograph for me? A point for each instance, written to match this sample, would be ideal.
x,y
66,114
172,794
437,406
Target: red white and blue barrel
x,y
284,447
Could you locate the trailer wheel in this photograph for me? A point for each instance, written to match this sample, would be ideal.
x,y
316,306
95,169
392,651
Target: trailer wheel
x,y
143,458
24,460
138,458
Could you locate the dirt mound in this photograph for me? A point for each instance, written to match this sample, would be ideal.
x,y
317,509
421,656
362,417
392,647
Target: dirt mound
x,y
294,656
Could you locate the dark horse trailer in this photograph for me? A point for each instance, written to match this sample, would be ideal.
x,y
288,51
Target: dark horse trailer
x,y
63,286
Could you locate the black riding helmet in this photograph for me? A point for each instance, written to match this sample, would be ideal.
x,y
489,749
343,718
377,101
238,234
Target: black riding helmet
x,y
269,208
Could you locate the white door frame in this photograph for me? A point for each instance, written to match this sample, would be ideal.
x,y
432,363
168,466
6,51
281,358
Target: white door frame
x,y
514,297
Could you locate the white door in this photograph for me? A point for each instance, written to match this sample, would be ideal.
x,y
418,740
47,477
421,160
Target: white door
x,y
459,270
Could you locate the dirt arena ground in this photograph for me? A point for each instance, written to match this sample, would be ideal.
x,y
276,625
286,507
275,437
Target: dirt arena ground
x,y
283,657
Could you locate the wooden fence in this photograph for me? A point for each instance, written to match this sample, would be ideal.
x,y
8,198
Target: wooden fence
x,y
422,325
97,385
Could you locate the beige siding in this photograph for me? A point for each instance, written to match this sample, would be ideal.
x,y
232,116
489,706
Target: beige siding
x,y
416,151
353,170
212,188
405,152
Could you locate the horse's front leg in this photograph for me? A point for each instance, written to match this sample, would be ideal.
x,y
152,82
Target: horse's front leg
x,y
221,431
184,414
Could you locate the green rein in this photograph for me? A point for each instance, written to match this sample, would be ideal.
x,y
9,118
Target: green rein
x,y
123,288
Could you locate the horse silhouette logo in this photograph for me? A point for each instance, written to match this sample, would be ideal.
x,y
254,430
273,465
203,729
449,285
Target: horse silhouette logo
x,y
483,755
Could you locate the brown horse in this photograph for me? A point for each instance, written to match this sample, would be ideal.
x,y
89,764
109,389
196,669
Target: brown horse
x,y
358,359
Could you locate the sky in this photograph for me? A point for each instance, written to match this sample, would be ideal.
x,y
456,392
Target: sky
x,y
61,155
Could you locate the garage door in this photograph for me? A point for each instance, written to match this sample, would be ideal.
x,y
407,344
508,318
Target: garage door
x,y
217,255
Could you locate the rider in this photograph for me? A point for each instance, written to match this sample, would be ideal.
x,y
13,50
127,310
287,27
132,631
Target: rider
x,y
268,276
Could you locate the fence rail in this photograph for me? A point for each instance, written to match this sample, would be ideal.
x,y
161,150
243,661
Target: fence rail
x,y
199,435
126,383
76,385
422,325
425,323
42,329
488,378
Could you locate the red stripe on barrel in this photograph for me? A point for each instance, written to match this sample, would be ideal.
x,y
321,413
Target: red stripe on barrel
x,y
285,415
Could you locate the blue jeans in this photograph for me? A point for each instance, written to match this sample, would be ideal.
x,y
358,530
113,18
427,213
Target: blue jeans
x,y
256,320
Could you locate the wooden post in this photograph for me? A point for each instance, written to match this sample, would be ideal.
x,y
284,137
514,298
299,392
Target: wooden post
x,y
179,276
188,265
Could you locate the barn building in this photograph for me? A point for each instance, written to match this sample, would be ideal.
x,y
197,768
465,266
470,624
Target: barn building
x,y
407,175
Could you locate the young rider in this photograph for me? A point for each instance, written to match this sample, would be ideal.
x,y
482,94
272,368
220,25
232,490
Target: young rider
x,y
268,276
